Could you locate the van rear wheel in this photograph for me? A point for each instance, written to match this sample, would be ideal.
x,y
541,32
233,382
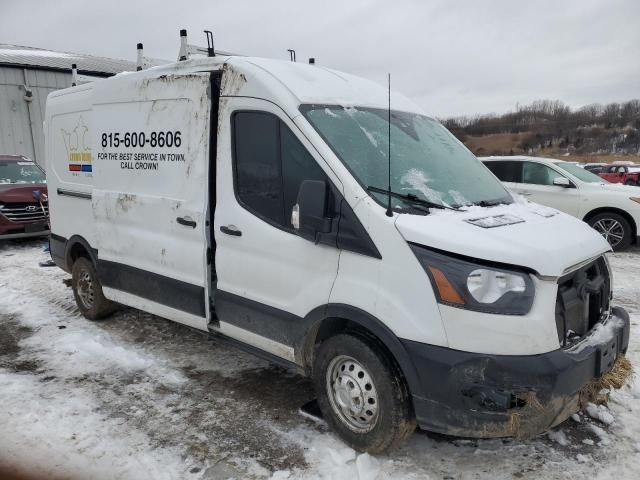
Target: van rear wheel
x,y
361,394
87,291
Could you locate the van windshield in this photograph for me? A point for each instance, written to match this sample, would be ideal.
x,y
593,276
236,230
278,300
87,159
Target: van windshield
x,y
426,160
20,172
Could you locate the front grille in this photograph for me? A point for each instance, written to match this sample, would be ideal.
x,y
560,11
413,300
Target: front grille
x,y
25,212
583,300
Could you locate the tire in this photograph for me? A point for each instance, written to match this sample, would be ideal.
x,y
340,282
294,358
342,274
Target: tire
x,y
363,372
631,183
620,234
87,291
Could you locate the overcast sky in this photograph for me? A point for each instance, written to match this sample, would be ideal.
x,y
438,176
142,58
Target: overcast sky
x,y
452,57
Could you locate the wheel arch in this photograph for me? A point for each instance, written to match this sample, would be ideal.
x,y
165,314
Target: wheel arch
x,y
619,211
332,319
78,246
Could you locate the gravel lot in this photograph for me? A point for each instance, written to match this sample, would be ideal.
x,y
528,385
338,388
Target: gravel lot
x,y
137,396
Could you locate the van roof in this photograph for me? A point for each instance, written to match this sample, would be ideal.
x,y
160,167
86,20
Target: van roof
x,y
299,83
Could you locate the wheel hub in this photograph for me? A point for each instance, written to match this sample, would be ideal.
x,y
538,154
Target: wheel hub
x,y
352,394
85,289
611,230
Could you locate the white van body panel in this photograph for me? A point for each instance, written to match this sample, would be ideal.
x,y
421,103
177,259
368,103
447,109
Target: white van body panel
x,y
266,264
544,240
131,219
68,143
396,290
141,191
479,332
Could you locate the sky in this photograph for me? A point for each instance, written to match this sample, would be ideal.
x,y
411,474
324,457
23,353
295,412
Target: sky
x,y
451,57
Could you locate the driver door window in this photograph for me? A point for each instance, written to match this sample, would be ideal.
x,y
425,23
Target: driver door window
x,y
270,164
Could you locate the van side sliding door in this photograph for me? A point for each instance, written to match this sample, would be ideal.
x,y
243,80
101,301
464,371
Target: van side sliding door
x,y
151,141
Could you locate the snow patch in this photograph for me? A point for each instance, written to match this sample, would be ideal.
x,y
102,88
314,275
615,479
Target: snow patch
x,y
601,333
36,53
600,433
599,412
418,180
559,437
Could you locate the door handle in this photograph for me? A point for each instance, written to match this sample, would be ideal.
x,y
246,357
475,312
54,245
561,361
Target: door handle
x,y
526,194
231,230
186,221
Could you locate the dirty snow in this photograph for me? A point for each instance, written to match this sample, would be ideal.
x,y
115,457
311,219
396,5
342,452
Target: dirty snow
x,y
137,396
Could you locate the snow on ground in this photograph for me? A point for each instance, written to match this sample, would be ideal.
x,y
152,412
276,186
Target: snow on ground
x,y
137,396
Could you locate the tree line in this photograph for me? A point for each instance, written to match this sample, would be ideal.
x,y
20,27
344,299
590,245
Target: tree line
x,y
595,128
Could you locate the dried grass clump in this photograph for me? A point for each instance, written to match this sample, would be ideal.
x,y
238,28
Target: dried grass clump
x,y
616,378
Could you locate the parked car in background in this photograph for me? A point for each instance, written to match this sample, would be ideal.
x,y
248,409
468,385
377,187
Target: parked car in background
x,y
613,210
24,209
627,174
594,167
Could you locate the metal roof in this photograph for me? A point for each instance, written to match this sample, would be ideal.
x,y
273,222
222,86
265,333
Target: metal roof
x,y
30,57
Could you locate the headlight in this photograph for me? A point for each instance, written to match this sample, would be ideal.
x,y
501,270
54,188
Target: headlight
x,y
479,286
635,199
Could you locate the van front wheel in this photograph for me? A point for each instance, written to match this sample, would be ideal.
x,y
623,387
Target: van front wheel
x,y
361,394
88,291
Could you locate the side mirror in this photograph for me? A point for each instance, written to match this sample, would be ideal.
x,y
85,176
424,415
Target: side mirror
x,y
562,182
309,216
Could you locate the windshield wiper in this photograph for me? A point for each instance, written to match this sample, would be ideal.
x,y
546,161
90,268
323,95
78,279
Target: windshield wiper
x,y
410,198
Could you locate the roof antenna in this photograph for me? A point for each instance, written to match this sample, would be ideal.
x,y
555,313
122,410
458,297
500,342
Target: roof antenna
x,y
74,75
292,54
389,211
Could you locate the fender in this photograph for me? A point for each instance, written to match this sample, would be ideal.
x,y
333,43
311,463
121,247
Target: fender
x,y
62,250
370,323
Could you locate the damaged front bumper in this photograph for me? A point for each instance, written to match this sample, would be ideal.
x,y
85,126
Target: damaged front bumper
x,y
483,396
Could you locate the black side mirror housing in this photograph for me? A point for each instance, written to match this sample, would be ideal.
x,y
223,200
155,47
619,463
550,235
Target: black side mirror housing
x,y
310,215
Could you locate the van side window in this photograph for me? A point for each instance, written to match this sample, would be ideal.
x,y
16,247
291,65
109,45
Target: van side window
x,y
257,163
538,174
506,171
270,164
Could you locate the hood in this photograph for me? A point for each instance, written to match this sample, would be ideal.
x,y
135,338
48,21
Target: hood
x,y
533,236
21,193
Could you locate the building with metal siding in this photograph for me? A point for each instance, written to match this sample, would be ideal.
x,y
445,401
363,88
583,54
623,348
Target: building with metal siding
x,y
27,76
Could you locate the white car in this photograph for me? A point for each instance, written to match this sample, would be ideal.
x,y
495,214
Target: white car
x,y
612,209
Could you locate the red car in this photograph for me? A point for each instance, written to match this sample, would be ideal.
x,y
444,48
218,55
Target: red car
x,y
24,209
627,174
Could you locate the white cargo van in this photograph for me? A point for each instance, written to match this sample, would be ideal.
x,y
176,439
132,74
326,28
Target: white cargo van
x,y
248,198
